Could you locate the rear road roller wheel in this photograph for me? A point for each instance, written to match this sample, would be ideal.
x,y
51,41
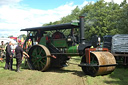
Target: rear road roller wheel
x,y
99,58
39,58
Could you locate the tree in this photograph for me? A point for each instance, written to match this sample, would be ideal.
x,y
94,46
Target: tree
x,y
73,16
22,35
10,36
123,3
102,18
123,20
96,20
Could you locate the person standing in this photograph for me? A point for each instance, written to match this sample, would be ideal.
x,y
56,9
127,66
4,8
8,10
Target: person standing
x,y
9,57
19,55
29,43
2,49
13,49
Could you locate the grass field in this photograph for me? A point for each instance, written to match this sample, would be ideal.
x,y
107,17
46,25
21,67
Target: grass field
x,y
71,75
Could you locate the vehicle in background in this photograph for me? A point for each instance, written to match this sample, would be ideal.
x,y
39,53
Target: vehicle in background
x,y
14,38
6,40
118,46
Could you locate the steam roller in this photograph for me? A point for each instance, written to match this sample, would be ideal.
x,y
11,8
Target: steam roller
x,y
98,62
54,45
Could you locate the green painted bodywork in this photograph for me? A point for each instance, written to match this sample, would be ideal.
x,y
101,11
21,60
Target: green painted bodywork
x,y
73,49
43,41
59,43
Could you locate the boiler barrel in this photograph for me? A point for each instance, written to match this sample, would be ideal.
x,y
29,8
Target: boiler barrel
x,y
73,50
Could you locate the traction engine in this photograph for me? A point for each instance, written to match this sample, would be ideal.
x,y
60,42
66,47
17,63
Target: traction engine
x,y
54,45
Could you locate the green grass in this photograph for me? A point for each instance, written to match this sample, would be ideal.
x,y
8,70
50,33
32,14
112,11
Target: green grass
x,y
71,75
118,77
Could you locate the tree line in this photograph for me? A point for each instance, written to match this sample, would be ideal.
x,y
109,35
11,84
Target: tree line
x,y
101,18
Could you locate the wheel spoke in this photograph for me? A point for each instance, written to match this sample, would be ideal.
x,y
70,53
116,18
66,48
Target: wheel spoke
x,y
38,66
40,51
42,63
35,51
44,60
34,62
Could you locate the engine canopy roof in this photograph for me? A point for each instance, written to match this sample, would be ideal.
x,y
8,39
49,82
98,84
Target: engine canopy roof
x,y
54,27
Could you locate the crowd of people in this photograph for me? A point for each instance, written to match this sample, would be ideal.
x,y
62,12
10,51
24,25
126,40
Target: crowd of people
x,y
8,51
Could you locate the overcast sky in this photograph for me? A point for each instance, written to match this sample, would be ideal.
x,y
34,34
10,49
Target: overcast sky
x,y
20,14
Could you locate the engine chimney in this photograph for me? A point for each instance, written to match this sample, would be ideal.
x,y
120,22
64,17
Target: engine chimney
x,y
82,39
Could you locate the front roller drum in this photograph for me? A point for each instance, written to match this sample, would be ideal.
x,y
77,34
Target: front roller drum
x,y
39,58
101,63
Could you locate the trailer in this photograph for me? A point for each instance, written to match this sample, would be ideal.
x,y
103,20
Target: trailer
x,y
118,46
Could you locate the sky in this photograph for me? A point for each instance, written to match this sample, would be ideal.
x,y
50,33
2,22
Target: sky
x,y
19,14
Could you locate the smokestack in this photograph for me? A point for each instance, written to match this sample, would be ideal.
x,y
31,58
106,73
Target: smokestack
x,y
82,39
